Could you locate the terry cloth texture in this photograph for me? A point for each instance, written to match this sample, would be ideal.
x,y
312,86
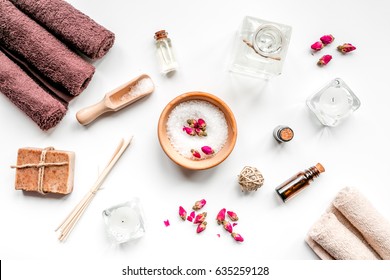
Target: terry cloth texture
x,y
69,25
351,229
32,43
41,107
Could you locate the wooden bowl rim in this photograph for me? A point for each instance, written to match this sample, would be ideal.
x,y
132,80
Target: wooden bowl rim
x,y
205,163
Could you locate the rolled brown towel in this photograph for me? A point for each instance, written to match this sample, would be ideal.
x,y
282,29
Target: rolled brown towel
x,y
70,25
40,49
41,107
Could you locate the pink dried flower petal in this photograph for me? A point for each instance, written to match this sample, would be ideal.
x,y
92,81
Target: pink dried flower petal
x,y
221,216
237,237
327,39
195,153
324,60
166,223
199,204
218,235
207,150
317,46
189,130
232,216
200,218
192,123
227,226
201,227
182,213
234,224
191,216
201,124
346,48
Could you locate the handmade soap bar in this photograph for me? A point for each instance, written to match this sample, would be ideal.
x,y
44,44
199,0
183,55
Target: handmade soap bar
x,y
44,170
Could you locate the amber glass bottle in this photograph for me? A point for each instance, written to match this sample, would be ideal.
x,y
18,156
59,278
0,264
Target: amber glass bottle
x,y
298,182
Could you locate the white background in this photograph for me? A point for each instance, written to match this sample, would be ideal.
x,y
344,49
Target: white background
x,y
355,153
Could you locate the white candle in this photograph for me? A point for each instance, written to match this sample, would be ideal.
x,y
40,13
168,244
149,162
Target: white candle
x,y
335,102
123,223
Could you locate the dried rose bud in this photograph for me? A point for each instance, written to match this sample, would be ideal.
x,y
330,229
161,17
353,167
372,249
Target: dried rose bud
x,y
199,204
221,216
324,60
227,226
232,216
182,213
237,237
200,132
200,218
192,123
327,39
195,153
317,46
201,227
189,130
207,150
191,216
346,48
201,124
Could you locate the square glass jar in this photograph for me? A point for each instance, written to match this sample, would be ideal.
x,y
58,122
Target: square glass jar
x,y
333,103
124,222
260,48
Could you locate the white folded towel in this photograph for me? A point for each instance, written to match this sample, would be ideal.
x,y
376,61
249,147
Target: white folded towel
x,y
351,229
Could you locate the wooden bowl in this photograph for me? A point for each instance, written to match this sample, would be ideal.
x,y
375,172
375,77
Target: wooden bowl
x,y
179,159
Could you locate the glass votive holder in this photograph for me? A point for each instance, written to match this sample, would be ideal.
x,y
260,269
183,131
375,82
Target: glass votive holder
x,y
260,48
333,103
124,222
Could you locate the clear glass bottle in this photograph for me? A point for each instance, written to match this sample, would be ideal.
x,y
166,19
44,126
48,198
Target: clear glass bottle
x,y
298,182
261,48
165,53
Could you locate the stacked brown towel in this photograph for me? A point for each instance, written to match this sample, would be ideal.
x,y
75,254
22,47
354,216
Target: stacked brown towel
x,y
352,229
70,25
41,107
32,43
32,46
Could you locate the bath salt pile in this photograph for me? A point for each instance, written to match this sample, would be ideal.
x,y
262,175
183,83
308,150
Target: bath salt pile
x,y
217,128
142,86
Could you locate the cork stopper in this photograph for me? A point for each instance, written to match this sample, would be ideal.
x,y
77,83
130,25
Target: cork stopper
x,y
286,134
320,168
283,133
160,35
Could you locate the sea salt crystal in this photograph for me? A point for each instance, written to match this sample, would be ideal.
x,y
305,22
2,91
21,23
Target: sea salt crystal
x,y
140,87
217,128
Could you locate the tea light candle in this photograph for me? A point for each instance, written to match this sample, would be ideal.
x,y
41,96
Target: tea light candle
x,y
335,101
123,222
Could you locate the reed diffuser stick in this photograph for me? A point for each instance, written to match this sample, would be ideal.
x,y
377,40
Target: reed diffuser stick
x,y
69,223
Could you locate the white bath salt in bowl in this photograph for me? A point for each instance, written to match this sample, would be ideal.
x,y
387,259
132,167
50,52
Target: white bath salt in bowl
x,y
220,127
216,128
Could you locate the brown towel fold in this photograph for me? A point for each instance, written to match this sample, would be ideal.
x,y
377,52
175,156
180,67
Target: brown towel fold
x,y
41,107
69,25
35,45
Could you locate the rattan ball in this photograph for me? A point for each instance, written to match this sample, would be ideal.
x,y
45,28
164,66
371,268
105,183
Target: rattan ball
x,y
250,179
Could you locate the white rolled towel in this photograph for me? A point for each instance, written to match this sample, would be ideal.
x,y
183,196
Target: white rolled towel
x,y
366,219
337,241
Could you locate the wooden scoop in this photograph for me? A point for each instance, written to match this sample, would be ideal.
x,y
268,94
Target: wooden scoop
x,y
117,99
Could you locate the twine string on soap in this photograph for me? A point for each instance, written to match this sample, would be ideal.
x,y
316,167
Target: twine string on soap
x,y
41,167
69,223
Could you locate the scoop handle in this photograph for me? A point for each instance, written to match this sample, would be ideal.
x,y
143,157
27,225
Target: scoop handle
x,y
89,114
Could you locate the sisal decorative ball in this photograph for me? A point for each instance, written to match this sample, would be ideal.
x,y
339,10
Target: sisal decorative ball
x,y
250,179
